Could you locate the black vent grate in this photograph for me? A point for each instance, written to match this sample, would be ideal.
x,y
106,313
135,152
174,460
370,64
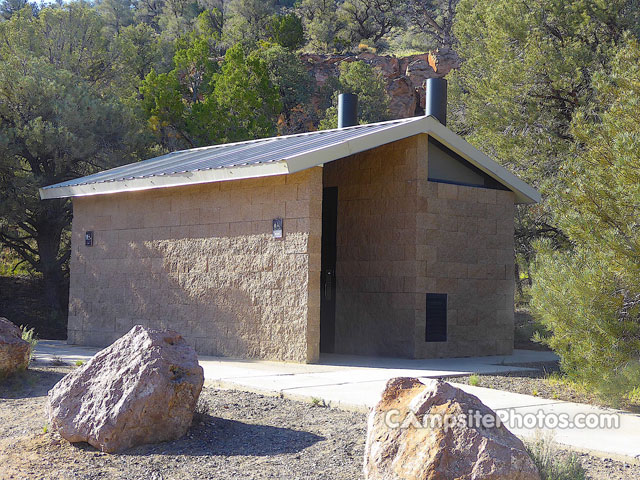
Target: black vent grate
x,y
436,317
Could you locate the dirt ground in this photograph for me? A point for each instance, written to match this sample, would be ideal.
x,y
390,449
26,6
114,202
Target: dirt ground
x,y
236,435
545,381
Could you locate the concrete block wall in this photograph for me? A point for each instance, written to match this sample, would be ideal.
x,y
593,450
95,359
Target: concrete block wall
x,y
201,260
376,249
400,237
465,248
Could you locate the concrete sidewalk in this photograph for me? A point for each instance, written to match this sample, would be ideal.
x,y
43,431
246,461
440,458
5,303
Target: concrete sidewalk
x,y
356,383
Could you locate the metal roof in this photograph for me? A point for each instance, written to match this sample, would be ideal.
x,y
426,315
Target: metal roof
x,y
255,158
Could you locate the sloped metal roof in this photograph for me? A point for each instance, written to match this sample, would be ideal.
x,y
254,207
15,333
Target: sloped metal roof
x,y
240,154
256,158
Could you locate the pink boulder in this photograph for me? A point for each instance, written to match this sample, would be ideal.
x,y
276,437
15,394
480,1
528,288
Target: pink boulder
x,y
423,432
14,351
141,389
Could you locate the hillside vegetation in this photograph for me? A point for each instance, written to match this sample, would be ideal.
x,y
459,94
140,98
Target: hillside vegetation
x,y
547,88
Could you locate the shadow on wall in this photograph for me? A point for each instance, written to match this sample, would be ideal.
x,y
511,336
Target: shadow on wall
x,y
217,290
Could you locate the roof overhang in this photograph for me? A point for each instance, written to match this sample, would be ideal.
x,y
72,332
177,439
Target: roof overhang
x,y
524,193
165,181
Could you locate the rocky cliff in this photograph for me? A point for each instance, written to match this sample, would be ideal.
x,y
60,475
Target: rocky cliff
x,y
404,77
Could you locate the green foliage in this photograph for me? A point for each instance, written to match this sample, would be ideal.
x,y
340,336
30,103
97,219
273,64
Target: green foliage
x,y
143,49
248,21
320,19
199,103
366,82
29,335
294,83
12,265
116,14
58,120
528,69
474,380
287,31
10,7
589,296
246,100
371,19
551,464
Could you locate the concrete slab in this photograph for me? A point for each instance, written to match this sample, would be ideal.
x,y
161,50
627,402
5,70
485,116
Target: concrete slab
x,y
356,383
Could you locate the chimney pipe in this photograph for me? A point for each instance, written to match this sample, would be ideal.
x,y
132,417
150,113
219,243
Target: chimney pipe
x,y
436,99
347,110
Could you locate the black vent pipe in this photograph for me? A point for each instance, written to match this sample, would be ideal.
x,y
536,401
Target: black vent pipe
x,y
347,110
436,99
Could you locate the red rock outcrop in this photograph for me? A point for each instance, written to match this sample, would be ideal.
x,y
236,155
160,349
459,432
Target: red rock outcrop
x,y
404,77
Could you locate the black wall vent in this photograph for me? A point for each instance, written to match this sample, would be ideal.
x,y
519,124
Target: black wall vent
x,y
436,317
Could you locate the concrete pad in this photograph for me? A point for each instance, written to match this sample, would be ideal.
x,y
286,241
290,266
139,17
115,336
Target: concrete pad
x,y
356,383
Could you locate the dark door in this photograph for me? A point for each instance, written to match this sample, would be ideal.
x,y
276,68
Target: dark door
x,y
328,275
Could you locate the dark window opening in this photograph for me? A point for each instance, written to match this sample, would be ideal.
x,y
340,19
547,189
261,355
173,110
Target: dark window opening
x,y
436,317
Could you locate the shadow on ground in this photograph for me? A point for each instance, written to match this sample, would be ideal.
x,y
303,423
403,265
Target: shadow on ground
x,y
29,383
214,436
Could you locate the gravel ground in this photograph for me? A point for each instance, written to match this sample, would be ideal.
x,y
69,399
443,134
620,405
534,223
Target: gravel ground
x,y
543,382
236,435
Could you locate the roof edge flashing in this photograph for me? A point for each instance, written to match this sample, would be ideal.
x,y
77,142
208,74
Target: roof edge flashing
x,y
165,181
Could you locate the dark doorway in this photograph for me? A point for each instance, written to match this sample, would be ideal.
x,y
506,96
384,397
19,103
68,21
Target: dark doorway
x,y
328,274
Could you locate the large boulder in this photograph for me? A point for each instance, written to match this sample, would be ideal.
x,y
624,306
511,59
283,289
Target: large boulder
x,y
14,351
402,445
142,389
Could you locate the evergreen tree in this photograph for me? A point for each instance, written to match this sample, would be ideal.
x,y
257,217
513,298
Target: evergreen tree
x,y
589,296
198,103
248,21
320,19
365,81
372,19
527,69
9,7
294,83
59,119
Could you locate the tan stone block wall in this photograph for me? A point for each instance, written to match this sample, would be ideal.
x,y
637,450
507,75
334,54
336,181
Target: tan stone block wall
x,y
401,237
201,260
376,254
465,248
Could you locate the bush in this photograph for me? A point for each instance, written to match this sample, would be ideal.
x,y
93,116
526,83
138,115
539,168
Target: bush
x,y
368,83
594,323
554,466
30,336
287,31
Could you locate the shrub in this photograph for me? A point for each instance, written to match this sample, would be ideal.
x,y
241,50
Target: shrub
x,y
474,380
30,336
287,31
368,83
554,466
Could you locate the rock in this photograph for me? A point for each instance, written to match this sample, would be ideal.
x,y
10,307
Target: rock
x,y
450,450
443,60
141,389
403,98
404,77
14,351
